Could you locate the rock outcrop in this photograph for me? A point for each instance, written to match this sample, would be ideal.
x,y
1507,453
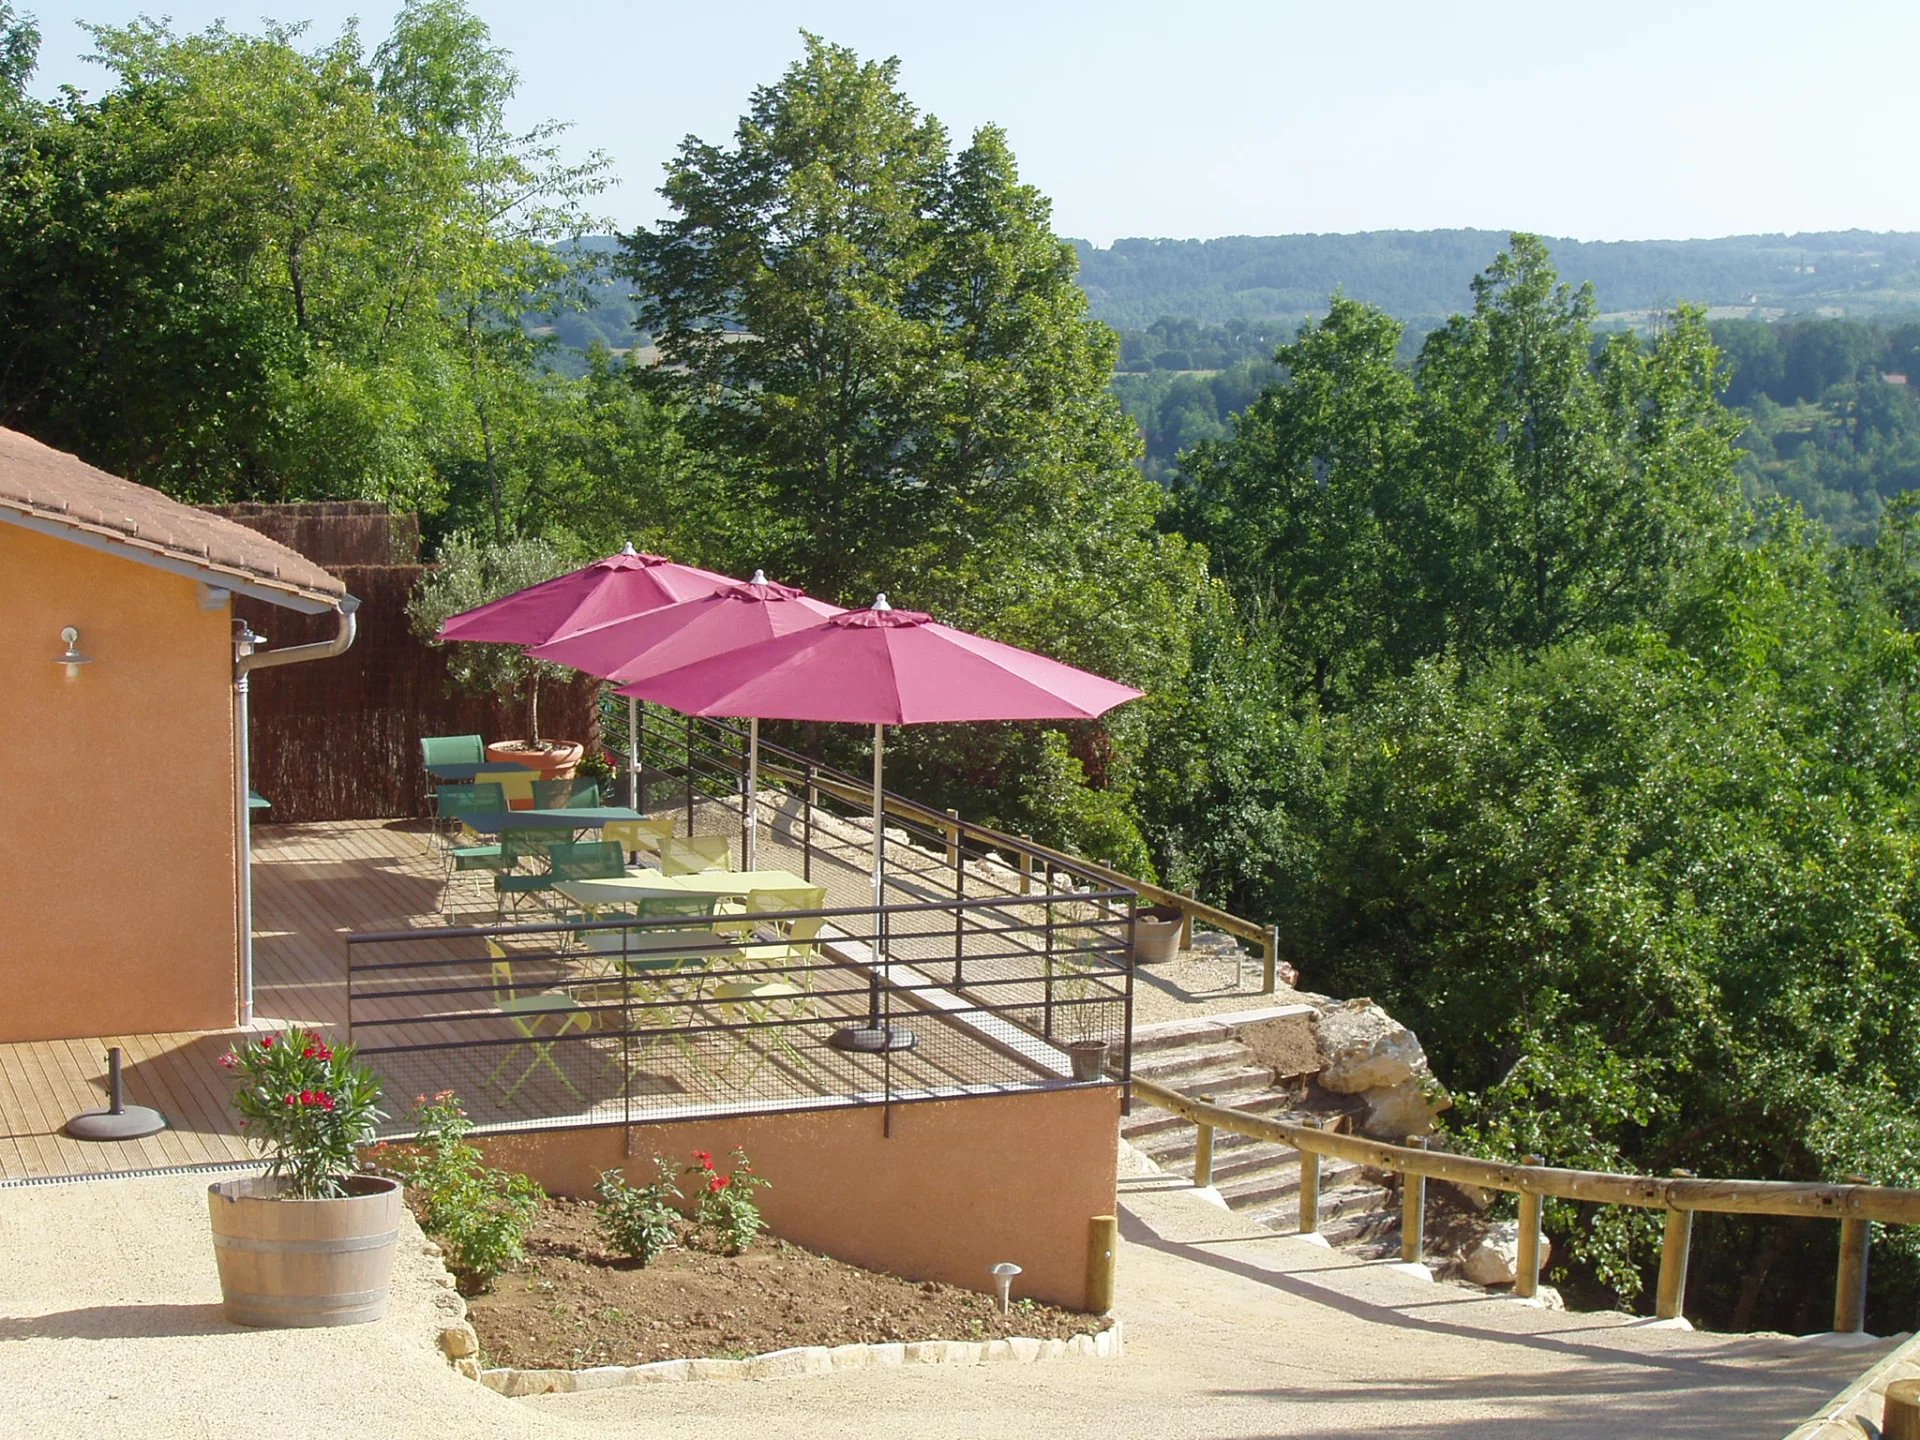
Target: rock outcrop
x,y
1367,1053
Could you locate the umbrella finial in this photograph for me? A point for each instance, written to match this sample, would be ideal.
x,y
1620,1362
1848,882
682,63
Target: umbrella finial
x,y
880,601
627,549
759,577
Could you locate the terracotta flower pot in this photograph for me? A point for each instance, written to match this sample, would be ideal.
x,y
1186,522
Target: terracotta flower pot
x,y
287,1264
555,764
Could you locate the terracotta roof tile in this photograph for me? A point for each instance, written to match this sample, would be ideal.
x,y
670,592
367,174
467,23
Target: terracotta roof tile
x,y
39,482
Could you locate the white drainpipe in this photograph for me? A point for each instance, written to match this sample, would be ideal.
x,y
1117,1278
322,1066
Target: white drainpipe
x,y
245,662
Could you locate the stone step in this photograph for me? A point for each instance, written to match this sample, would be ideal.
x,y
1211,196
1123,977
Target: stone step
x,y
1257,1178
1188,1060
1346,1213
1181,1143
1152,1120
1269,1102
1254,1189
1177,1034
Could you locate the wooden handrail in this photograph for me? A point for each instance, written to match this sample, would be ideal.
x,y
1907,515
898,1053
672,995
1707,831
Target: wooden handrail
x,y
1850,1203
926,816
1022,850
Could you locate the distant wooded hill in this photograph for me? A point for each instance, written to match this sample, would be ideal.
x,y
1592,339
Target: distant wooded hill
x,y
1421,277
1424,275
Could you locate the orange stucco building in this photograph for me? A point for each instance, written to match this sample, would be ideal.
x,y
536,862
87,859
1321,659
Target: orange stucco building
x,y
122,854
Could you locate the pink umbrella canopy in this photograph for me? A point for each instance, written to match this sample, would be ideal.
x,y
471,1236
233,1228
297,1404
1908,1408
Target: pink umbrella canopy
x,y
620,585
675,635
883,667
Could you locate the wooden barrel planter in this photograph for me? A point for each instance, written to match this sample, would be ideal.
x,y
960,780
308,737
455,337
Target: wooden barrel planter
x,y
1156,934
290,1264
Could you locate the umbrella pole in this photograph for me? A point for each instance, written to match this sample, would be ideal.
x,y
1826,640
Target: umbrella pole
x,y
633,753
750,851
876,1037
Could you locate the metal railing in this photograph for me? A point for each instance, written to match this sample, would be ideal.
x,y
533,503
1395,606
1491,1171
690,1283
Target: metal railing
x,y
622,1020
1853,1205
699,766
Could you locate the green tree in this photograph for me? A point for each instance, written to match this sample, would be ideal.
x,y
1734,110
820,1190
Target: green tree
x,y
255,270
1559,493
471,573
1295,510
880,345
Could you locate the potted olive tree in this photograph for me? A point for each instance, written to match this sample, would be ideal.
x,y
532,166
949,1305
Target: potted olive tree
x,y
470,573
310,1242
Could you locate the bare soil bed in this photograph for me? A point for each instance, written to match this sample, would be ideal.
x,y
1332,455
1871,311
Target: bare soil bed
x,y
574,1304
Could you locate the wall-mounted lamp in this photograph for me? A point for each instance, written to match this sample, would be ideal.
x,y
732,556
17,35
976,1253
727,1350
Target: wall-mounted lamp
x,y
71,656
245,642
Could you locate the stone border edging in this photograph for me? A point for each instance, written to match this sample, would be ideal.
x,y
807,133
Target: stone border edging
x,y
800,1360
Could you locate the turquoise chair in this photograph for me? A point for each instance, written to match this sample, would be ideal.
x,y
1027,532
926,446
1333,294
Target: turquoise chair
x,y
566,794
535,845
452,750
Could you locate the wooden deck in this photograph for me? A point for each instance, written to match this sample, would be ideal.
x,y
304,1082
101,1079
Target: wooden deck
x,y
313,885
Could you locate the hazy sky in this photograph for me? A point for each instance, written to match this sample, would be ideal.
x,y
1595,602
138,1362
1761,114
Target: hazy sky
x,y
1604,122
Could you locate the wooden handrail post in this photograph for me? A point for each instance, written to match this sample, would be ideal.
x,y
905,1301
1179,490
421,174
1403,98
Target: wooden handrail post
x,y
1269,959
1413,1209
1026,867
1186,929
1901,1420
1850,1284
1103,1239
1309,1192
1671,1296
1526,1265
1203,1151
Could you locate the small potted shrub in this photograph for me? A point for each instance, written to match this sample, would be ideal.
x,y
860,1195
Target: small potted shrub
x,y
311,1242
470,573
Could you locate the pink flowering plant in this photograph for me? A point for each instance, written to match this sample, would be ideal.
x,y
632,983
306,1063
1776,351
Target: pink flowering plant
x,y
308,1105
725,1208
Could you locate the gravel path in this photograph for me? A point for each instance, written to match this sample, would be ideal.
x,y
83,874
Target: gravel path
x,y
1231,1332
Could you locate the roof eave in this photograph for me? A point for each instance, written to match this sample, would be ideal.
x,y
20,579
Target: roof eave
x,y
145,552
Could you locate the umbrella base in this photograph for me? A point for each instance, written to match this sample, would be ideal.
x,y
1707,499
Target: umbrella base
x,y
130,1122
872,1040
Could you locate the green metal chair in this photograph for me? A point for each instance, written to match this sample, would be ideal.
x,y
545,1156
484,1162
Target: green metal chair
x,y
666,965
462,848
535,845
691,854
636,834
581,794
534,1016
587,860
452,750
456,802
785,995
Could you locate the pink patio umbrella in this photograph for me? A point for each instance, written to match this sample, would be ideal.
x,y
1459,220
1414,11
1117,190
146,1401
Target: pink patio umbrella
x,y
629,583
675,635
620,585
882,667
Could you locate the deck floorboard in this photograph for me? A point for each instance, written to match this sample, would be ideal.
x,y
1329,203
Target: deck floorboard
x,y
316,883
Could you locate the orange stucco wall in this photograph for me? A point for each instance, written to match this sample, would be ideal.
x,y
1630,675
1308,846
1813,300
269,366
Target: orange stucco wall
x,y
960,1186
116,800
